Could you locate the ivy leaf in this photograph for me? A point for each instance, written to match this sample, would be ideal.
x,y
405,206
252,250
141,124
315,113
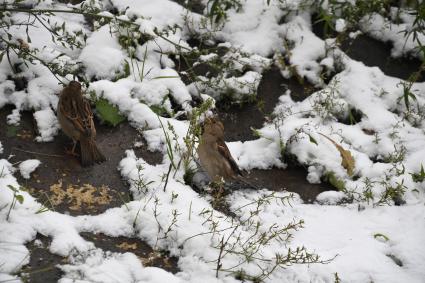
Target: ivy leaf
x,y
109,113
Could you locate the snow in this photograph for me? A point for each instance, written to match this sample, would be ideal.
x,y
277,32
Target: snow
x,y
99,46
28,166
309,48
340,25
255,28
47,124
98,266
384,30
349,234
364,236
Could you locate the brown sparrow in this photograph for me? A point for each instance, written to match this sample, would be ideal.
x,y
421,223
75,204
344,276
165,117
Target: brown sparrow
x,y
214,155
76,120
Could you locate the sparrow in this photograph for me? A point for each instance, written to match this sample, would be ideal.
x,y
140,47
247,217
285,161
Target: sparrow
x,y
214,154
76,120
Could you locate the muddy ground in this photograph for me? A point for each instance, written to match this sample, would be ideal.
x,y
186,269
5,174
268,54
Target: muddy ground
x,y
61,184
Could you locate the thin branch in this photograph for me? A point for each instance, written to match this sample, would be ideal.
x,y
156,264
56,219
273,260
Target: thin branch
x,y
89,14
38,153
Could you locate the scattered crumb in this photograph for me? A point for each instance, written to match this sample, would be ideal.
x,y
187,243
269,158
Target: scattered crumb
x,y
78,197
127,246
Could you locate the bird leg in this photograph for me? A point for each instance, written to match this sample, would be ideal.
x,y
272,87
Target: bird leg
x,y
72,151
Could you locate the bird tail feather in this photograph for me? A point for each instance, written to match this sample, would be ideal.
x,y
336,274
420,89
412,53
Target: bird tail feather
x,y
90,154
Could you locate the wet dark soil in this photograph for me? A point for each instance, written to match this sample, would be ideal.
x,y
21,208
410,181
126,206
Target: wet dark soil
x,y
42,266
61,184
239,119
372,53
195,6
292,179
375,53
73,2
89,190
143,251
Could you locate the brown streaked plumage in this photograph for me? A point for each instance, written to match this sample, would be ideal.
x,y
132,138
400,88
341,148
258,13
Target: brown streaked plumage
x,y
76,120
213,153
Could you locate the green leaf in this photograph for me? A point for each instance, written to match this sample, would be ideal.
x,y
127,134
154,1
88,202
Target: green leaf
x,y
20,198
213,9
312,140
123,74
255,132
42,210
109,113
381,237
419,177
351,117
159,110
12,188
334,181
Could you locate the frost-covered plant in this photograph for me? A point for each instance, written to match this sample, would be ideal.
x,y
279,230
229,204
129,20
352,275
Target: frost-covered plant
x,y
58,66
201,30
231,76
248,247
20,48
192,138
414,110
184,155
302,132
351,11
141,184
163,232
384,190
217,10
420,176
397,155
327,103
417,9
127,30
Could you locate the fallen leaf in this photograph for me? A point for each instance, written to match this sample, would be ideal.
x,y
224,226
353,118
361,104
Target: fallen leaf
x,y
347,158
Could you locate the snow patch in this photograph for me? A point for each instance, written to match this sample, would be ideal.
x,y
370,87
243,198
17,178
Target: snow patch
x,y
28,166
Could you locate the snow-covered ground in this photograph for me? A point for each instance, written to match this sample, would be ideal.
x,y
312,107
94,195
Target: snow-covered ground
x,y
358,232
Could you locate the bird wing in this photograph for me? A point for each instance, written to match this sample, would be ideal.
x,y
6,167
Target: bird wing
x,y
78,111
224,151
